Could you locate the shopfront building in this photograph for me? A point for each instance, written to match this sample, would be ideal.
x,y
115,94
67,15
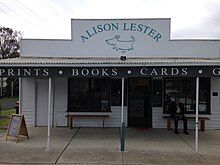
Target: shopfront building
x,y
85,74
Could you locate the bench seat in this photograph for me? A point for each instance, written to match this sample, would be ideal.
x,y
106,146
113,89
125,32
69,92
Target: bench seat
x,y
201,119
71,117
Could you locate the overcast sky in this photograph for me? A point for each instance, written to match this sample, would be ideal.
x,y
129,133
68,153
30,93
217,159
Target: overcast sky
x,y
190,19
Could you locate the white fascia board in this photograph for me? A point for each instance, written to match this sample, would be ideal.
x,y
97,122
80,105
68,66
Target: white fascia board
x,y
110,65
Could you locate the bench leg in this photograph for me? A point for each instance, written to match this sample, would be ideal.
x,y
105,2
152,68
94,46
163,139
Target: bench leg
x,y
168,124
67,122
103,123
202,125
70,122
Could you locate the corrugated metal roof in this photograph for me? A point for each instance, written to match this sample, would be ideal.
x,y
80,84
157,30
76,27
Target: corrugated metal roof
x,y
102,61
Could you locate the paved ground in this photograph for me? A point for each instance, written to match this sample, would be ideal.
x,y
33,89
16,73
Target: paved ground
x,y
87,146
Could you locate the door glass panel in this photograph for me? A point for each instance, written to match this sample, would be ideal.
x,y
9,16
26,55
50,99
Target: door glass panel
x,y
79,94
136,107
139,112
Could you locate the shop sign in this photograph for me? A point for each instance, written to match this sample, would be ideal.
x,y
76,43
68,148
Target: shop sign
x,y
202,71
132,27
119,41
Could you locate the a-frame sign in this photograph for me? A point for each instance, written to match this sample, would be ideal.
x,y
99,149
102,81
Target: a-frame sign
x,y
16,127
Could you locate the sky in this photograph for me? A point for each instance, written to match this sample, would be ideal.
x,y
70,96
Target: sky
x,y
50,19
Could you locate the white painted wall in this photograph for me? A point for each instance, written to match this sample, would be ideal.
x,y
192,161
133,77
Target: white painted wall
x,y
60,101
214,122
28,100
41,102
60,107
96,46
37,115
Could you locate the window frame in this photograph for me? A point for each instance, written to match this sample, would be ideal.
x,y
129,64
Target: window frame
x,y
208,95
125,92
71,109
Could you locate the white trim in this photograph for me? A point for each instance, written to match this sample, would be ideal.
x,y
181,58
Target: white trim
x,y
52,103
49,112
20,95
108,62
197,114
122,99
35,103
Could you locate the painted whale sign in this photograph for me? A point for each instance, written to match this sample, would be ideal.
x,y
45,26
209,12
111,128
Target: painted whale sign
x,y
121,45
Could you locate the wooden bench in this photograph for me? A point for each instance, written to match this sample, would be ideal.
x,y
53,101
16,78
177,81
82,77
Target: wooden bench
x,y
201,119
71,117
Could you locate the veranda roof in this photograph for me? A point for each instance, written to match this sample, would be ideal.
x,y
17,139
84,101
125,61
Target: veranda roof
x,y
108,62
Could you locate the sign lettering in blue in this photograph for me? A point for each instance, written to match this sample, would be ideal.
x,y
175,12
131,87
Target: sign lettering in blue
x,y
133,27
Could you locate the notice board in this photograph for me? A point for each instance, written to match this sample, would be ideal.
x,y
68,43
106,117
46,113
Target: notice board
x,y
17,126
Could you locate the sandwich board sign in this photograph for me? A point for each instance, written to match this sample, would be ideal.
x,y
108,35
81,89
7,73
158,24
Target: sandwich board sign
x,y
16,127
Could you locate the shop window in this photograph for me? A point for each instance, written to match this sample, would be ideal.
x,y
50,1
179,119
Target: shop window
x,y
116,92
185,89
88,95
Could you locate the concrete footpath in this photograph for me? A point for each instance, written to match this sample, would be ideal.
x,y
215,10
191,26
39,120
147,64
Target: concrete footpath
x,y
87,146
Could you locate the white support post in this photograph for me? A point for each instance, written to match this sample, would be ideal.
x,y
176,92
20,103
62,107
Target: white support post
x,y
20,95
197,114
2,82
12,88
122,132
122,100
49,113
52,103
